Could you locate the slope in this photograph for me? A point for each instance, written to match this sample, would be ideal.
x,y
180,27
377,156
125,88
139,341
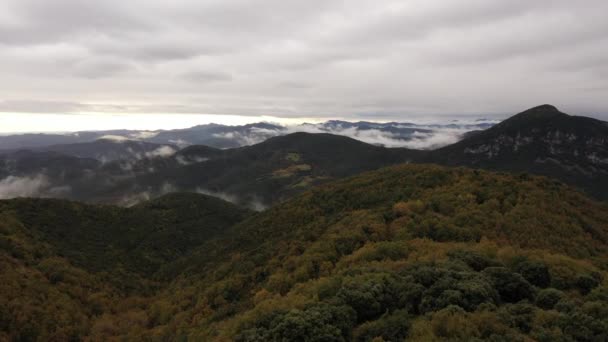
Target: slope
x,y
267,172
414,251
411,251
106,150
64,264
138,239
543,141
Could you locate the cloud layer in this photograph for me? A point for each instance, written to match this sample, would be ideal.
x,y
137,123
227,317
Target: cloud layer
x,y
318,58
422,137
30,186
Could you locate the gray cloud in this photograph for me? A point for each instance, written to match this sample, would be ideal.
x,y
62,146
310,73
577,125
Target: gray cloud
x,y
251,201
384,59
424,137
207,76
40,106
97,68
30,186
162,152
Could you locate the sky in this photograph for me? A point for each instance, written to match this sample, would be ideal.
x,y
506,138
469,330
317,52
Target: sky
x,y
147,64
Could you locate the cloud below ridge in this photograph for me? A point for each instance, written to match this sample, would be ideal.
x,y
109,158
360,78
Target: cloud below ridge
x,y
30,186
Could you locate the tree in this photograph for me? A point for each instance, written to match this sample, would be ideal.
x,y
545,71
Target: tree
x,y
536,272
512,287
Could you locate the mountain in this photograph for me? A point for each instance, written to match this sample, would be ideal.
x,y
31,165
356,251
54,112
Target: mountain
x,y
219,136
254,176
265,173
106,150
35,140
390,134
51,174
45,174
411,251
540,141
404,134
543,141
27,162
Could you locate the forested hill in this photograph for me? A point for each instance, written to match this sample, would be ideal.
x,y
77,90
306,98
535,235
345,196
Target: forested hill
x,y
268,172
418,251
138,239
64,265
541,140
412,251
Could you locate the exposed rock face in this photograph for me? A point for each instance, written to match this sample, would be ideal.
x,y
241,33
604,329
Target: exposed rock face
x,y
541,140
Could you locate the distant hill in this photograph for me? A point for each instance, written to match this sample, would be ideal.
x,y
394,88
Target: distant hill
x,y
540,141
412,251
51,174
268,172
390,134
139,239
543,141
35,140
219,136
254,176
106,150
26,162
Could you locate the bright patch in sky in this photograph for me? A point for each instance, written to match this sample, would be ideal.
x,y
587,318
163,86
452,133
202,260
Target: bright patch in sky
x,y
32,122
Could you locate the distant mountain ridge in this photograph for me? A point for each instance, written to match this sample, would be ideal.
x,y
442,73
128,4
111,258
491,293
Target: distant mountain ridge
x,y
224,136
541,141
268,172
106,149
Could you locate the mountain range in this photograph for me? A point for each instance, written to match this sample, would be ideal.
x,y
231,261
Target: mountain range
x,y
391,134
540,141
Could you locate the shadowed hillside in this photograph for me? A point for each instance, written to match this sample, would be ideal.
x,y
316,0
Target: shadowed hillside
x,y
267,172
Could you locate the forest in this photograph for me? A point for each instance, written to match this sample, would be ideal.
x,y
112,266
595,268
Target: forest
x,y
416,252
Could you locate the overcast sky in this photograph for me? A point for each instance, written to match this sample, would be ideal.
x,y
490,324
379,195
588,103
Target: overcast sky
x,y
305,59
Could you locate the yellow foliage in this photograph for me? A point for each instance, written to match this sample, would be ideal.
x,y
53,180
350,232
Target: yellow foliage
x,y
261,295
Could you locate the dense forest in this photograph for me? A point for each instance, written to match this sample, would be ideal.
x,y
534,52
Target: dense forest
x,y
415,252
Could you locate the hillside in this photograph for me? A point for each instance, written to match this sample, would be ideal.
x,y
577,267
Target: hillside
x,y
63,263
265,173
423,252
100,238
26,162
106,150
253,176
410,251
543,141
